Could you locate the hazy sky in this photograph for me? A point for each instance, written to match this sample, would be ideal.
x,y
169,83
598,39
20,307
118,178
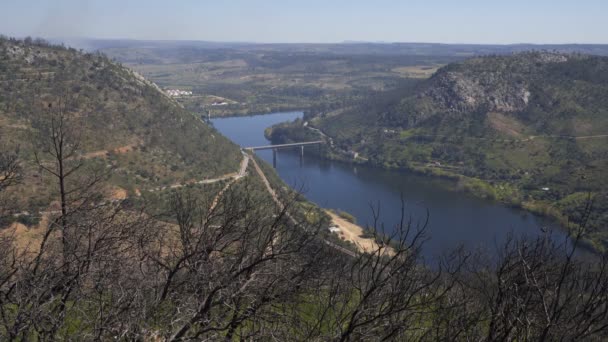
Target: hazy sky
x,y
445,21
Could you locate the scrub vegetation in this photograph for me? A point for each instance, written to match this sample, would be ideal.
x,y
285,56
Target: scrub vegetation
x,y
108,235
529,129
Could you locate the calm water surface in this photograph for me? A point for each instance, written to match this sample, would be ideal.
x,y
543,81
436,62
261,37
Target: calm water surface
x,y
454,218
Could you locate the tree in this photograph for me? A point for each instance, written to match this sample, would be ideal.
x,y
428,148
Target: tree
x,y
540,290
231,262
57,152
10,175
225,265
385,294
10,170
48,280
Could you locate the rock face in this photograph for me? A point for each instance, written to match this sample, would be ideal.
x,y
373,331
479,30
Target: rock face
x,y
454,91
497,84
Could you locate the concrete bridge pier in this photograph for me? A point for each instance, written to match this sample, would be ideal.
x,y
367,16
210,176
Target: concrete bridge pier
x,y
301,155
274,158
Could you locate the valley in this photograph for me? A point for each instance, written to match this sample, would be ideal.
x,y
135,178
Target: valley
x,y
134,211
359,189
524,130
360,103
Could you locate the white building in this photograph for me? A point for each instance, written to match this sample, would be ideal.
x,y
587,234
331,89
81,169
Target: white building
x,y
177,92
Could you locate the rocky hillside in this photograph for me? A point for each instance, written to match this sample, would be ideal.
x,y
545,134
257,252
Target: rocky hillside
x,y
551,93
122,122
501,84
530,129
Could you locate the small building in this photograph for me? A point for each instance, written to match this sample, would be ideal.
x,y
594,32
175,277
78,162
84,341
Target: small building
x,y
178,92
334,229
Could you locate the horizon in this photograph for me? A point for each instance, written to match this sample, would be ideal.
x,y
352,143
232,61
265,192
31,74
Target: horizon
x,y
469,22
346,42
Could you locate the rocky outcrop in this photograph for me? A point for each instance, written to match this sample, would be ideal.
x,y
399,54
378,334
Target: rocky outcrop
x,y
497,84
458,92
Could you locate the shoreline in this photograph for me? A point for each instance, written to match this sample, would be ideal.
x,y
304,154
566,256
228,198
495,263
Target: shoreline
x,y
474,187
254,113
466,185
352,232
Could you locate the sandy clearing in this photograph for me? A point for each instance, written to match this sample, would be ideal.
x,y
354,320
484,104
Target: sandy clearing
x,y
118,193
103,153
352,232
95,154
27,238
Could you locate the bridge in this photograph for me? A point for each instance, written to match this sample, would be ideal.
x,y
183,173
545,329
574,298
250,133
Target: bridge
x,y
274,149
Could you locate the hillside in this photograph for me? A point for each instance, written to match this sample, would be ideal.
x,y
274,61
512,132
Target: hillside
x,y
123,122
529,129
244,258
237,79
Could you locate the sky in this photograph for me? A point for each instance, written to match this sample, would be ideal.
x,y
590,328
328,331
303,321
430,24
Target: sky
x,y
321,21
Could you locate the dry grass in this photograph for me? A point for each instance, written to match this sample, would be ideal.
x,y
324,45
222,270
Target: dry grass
x,y
27,239
504,124
352,232
416,71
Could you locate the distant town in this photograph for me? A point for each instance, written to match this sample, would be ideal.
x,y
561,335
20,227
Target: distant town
x,y
178,93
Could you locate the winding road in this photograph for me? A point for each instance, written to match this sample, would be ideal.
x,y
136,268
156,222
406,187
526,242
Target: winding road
x,y
242,172
289,216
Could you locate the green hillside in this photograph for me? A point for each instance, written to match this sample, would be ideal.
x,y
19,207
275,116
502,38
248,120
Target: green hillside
x,y
528,129
242,257
123,122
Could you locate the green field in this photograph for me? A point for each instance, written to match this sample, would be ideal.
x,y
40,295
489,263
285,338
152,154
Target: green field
x,y
262,79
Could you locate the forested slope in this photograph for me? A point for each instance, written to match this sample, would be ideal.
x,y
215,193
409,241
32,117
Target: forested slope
x,y
528,129
232,260
121,121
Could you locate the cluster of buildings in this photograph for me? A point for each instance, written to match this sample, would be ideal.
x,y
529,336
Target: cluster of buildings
x,y
218,103
177,92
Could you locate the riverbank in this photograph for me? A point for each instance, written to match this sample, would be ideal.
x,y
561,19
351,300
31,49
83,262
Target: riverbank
x,y
353,233
454,219
506,193
503,193
232,113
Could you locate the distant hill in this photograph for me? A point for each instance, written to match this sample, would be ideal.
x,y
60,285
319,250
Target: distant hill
x,y
529,129
348,48
124,121
262,78
250,260
549,93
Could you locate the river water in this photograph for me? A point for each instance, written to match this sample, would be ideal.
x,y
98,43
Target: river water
x,y
454,218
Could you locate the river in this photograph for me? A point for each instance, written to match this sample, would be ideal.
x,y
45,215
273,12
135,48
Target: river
x,y
454,218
